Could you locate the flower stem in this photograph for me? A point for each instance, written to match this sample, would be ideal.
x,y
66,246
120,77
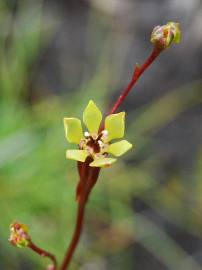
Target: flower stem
x,y
136,75
90,181
43,253
76,235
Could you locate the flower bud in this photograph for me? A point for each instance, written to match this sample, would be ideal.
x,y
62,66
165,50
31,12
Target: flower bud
x,y
163,36
19,235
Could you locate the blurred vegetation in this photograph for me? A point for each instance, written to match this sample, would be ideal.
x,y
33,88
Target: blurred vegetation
x,y
37,184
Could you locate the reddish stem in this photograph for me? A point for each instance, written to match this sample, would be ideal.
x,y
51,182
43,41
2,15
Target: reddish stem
x,y
137,73
83,169
92,178
43,253
76,236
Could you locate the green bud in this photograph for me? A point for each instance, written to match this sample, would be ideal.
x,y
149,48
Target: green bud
x,y
163,36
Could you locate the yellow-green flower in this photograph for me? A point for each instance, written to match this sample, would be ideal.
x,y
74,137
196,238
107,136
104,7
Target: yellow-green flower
x,y
163,36
94,143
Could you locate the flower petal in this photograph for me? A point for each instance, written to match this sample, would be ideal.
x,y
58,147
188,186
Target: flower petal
x,y
92,117
175,28
73,130
119,148
102,162
115,125
79,155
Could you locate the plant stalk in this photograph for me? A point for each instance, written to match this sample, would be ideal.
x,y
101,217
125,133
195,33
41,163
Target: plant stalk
x,y
92,176
43,253
136,75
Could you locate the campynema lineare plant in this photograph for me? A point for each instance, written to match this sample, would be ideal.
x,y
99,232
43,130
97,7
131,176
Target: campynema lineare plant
x,y
95,148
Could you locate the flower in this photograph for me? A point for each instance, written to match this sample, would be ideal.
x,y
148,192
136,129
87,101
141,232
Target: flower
x,y
19,235
95,143
163,36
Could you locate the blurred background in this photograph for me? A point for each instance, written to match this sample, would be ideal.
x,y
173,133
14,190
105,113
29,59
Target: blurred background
x,y
145,213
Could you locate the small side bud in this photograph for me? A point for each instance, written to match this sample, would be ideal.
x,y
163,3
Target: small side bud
x,y
19,236
163,36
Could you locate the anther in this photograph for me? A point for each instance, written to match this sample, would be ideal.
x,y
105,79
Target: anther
x,y
86,134
104,134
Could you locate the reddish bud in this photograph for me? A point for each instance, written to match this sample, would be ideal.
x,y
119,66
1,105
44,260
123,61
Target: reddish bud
x,y
19,235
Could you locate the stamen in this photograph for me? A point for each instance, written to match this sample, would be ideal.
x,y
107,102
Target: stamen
x,y
104,134
101,144
86,134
